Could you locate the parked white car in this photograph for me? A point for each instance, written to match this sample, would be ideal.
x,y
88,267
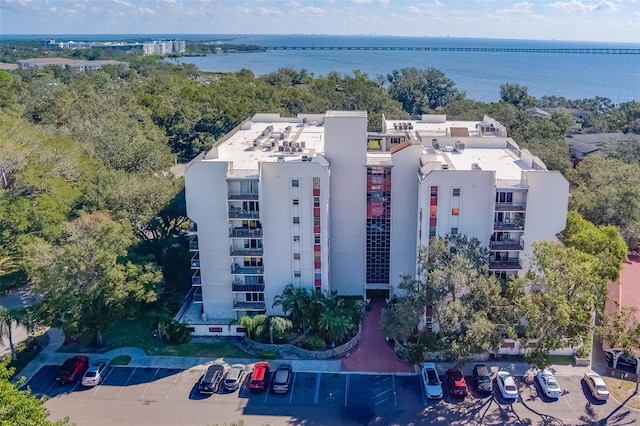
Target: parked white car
x,y
507,385
431,381
96,373
597,386
549,384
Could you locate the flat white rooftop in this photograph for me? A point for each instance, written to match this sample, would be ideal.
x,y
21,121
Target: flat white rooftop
x,y
505,164
269,141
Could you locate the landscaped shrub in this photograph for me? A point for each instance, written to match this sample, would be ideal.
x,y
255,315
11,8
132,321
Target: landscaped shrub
x,y
176,332
312,343
269,355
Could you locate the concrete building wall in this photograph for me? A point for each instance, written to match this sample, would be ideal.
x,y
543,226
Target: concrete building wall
x,y
547,204
346,149
475,203
285,255
207,206
404,207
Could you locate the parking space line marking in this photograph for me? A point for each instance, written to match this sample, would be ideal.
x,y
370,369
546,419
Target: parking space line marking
x,y
174,383
292,386
315,399
393,382
271,375
346,391
126,383
103,380
149,384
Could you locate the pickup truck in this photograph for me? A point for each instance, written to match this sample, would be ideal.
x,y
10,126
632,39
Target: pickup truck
x,y
72,369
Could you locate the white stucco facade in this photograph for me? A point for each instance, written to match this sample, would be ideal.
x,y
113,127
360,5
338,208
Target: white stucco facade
x,y
317,202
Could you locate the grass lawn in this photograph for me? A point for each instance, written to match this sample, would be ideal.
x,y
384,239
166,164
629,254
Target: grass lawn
x,y
624,391
138,334
561,359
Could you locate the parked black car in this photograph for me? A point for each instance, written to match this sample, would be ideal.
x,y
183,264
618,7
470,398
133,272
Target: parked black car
x,y
482,379
210,381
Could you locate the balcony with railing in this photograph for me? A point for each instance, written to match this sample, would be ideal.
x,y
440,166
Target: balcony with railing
x,y
505,264
245,232
248,306
246,270
506,245
197,295
511,207
245,252
240,195
240,286
196,279
193,243
509,226
195,261
237,213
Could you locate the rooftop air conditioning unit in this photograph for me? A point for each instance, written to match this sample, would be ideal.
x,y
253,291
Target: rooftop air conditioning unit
x,y
280,157
304,158
303,144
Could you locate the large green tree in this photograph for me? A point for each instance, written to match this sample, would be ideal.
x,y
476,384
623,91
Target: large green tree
x,y
90,278
420,91
606,191
558,298
604,242
18,407
516,95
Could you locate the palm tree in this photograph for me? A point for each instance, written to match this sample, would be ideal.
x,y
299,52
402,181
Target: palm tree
x,y
7,318
295,302
255,325
335,325
278,325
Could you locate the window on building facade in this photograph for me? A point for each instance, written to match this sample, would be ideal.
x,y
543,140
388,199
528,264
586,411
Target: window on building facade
x,y
296,202
504,197
254,297
215,329
316,238
296,255
296,219
297,274
456,192
296,238
295,182
434,191
454,231
316,201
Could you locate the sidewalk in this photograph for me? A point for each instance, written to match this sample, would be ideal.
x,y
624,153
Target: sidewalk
x,y
139,358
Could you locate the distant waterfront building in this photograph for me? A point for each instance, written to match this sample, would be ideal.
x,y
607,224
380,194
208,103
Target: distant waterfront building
x,y
318,202
583,144
151,48
76,64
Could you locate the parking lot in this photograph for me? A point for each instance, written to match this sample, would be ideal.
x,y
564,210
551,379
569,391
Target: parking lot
x,y
127,393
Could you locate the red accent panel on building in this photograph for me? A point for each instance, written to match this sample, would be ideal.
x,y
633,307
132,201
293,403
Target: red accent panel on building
x,y
316,247
318,283
317,264
316,192
434,201
316,212
432,221
316,229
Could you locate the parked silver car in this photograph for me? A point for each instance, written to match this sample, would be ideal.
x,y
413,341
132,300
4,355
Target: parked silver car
x,y
233,379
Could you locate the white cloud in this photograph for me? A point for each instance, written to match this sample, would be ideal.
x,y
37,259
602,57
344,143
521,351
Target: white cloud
x,y
524,7
314,10
577,6
268,12
361,1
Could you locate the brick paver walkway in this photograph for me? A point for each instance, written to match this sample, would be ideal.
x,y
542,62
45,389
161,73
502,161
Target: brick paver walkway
x,y
373,353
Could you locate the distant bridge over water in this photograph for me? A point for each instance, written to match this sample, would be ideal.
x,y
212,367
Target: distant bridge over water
x,y
585,50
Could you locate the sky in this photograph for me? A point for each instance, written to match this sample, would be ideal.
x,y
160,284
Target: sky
x,y
584,20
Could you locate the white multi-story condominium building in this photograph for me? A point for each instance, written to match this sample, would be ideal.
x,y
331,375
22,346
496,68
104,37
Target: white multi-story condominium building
x,y
318,202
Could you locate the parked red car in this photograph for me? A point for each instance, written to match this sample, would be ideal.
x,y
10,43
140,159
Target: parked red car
x,y
457,384
259,377
72,369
